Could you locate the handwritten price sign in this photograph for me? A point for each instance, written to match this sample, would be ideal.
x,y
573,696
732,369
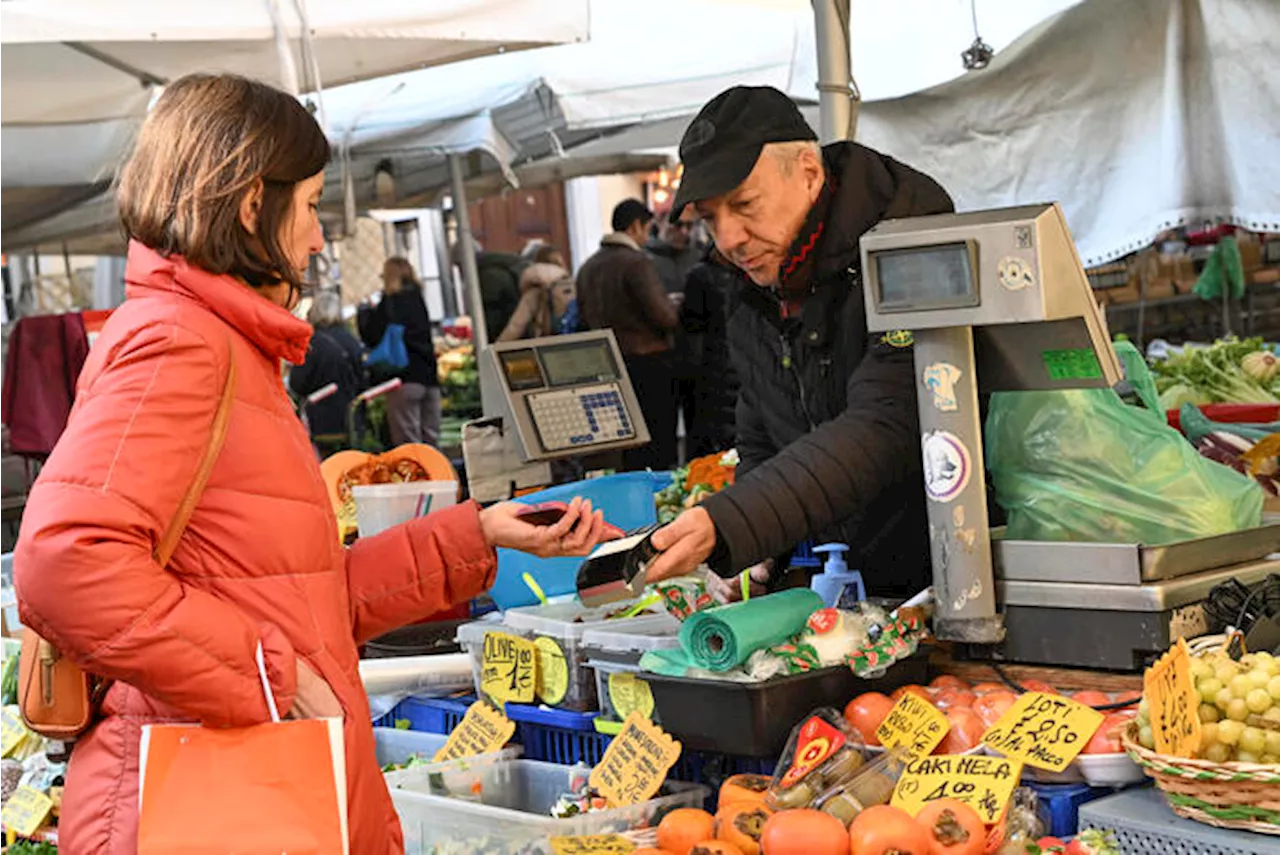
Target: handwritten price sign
x,y
26,810
509,668
482,730
1045,731
636,762
1174,703
983,783
915,724
592,844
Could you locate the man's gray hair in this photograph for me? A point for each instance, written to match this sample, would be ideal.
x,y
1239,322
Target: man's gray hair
x,y
787,153
326,309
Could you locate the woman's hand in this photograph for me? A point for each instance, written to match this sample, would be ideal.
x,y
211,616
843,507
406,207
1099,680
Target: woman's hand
x,y
314,698
576,533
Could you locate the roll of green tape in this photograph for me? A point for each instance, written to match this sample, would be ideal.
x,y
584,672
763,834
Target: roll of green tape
x,y
722,638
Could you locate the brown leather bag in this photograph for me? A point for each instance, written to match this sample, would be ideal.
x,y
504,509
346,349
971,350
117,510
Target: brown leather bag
x,y
57,698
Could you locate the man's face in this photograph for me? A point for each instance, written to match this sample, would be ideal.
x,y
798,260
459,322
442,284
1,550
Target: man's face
x,y
755,225
677,234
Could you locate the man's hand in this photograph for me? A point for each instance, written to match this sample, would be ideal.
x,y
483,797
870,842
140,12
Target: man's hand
x,y
684,545
730,590
314,698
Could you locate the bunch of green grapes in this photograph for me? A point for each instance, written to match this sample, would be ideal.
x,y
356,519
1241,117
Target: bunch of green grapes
x,y
1239,708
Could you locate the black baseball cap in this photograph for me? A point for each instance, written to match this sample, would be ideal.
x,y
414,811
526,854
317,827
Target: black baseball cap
x,y
723,142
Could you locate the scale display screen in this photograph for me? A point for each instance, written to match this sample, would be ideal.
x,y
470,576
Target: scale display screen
x,y
580,362
935,277
522,369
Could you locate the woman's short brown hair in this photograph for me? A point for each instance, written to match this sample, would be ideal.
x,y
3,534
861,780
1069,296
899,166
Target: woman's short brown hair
x,y
398,273
209,139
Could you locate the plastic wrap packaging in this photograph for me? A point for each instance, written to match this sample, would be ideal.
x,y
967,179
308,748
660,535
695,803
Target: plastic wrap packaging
x,y
388,681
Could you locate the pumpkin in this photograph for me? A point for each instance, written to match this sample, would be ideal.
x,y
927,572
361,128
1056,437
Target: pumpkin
x,y
410,462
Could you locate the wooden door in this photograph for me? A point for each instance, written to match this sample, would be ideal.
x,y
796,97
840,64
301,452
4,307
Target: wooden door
x,y
507,222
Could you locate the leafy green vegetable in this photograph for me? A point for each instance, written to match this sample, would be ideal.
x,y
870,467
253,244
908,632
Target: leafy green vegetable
x,y
9,682
30,847
1212,375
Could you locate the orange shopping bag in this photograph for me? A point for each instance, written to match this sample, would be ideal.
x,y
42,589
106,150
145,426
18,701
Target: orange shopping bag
x,y
274,788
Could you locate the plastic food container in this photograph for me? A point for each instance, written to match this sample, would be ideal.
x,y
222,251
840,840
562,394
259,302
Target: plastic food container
x,y
823,754
610,652
382,506
558,630
1096,770
508,811
398,746
470,638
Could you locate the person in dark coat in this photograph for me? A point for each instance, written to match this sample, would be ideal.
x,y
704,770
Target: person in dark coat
x,y
413,410
335,356
674,254
710,294
619,289
827,426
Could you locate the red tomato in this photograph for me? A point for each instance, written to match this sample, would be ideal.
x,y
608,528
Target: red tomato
x,y
1091,698
881,830
984,688
947,698
1038,686
966,731
991,706
949,681
865,713
1132,698
1051,844
953,828
919,691
1106,740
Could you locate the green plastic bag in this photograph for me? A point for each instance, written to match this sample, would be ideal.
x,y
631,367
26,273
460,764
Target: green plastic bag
x,y
1223,271
1082,465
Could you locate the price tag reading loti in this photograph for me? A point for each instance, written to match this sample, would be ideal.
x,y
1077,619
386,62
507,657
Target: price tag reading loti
x,y
1174,703
508,668
985,784
482,730
26,811
915,724
1043,730
592,844
636,762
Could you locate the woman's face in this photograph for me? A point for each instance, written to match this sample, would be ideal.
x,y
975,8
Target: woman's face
x,y
300,238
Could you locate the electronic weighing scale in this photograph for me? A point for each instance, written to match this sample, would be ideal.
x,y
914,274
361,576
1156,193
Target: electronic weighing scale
x,y
546,399
998,301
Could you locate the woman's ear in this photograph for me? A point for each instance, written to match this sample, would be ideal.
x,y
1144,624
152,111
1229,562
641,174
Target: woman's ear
x,y
251,207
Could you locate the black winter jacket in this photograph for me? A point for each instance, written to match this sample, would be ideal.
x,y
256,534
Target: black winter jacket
x,y
407,308
710,297
830,445
334,357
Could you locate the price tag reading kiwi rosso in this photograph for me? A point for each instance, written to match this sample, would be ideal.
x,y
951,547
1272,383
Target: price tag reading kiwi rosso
x,y
508,669
1174,702
1045,731
482,730
592,844
915,724
983,783
553,671
636,762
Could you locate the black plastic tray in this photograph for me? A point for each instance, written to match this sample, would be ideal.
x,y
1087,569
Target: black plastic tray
x,y
755,719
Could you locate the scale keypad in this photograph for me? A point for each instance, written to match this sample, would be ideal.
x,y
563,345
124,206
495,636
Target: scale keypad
x,y
579,417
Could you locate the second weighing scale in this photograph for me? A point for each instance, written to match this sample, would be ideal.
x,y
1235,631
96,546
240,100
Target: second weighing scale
x,y
998,301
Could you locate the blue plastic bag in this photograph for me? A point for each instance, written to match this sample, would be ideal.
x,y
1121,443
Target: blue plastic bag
x,y
390,357
1082,465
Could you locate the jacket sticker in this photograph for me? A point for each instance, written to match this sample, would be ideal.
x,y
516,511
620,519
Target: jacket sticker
x,y
898,338
947,465
1015,273
940,379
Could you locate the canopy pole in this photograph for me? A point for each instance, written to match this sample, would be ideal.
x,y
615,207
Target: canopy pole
x,y
837,96
467,249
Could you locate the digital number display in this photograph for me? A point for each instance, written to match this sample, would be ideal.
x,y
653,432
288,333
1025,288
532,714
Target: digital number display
x,y
522,370
934,277
570,364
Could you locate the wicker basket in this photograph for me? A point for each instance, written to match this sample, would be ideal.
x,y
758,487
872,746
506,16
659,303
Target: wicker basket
x,y
1229,795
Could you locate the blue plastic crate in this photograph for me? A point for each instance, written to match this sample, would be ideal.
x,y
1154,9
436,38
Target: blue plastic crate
x,y
1060,805
803,556
558,736
627,501
427,715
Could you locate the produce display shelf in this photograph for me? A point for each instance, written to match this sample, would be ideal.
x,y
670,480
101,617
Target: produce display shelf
x,y
1145,825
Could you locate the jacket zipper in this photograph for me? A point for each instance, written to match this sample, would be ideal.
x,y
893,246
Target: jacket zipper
x,y
789,364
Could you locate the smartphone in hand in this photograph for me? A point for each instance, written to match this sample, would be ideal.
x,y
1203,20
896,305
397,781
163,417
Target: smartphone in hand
x,y
550,513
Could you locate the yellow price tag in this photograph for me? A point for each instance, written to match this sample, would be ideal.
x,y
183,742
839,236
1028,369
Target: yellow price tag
x,y
553,671
915,724
636,762
629,693
508,668
26,810
1045,731
592,844
12,730
1174,703
985,784
482,730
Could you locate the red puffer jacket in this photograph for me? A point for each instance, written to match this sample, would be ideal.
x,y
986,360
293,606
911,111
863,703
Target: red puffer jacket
x,y
260,559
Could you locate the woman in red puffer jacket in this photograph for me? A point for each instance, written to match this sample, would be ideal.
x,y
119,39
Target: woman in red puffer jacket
x,y
220,203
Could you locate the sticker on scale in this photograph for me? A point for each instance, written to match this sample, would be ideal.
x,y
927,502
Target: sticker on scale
x,y
1015,273
940,378
947,465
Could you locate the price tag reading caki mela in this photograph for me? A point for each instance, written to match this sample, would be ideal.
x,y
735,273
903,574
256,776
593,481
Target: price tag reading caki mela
x,y
915,724
508,668
1045,731
482,730
983,783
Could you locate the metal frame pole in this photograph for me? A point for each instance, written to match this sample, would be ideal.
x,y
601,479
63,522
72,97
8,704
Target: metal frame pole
x,y
837,95
467,249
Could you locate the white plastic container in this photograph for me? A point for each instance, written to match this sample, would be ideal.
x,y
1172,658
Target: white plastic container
x,y
398,746
470,638
508,811
382,506
1096,770
611,652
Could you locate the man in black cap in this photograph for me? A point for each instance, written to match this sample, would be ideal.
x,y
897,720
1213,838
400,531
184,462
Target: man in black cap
x,y
827,428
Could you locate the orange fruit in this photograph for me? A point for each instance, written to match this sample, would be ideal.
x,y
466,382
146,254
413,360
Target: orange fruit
x,y
682,829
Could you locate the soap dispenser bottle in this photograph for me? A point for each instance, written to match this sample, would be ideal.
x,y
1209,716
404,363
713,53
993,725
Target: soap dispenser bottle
x,y
837,583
